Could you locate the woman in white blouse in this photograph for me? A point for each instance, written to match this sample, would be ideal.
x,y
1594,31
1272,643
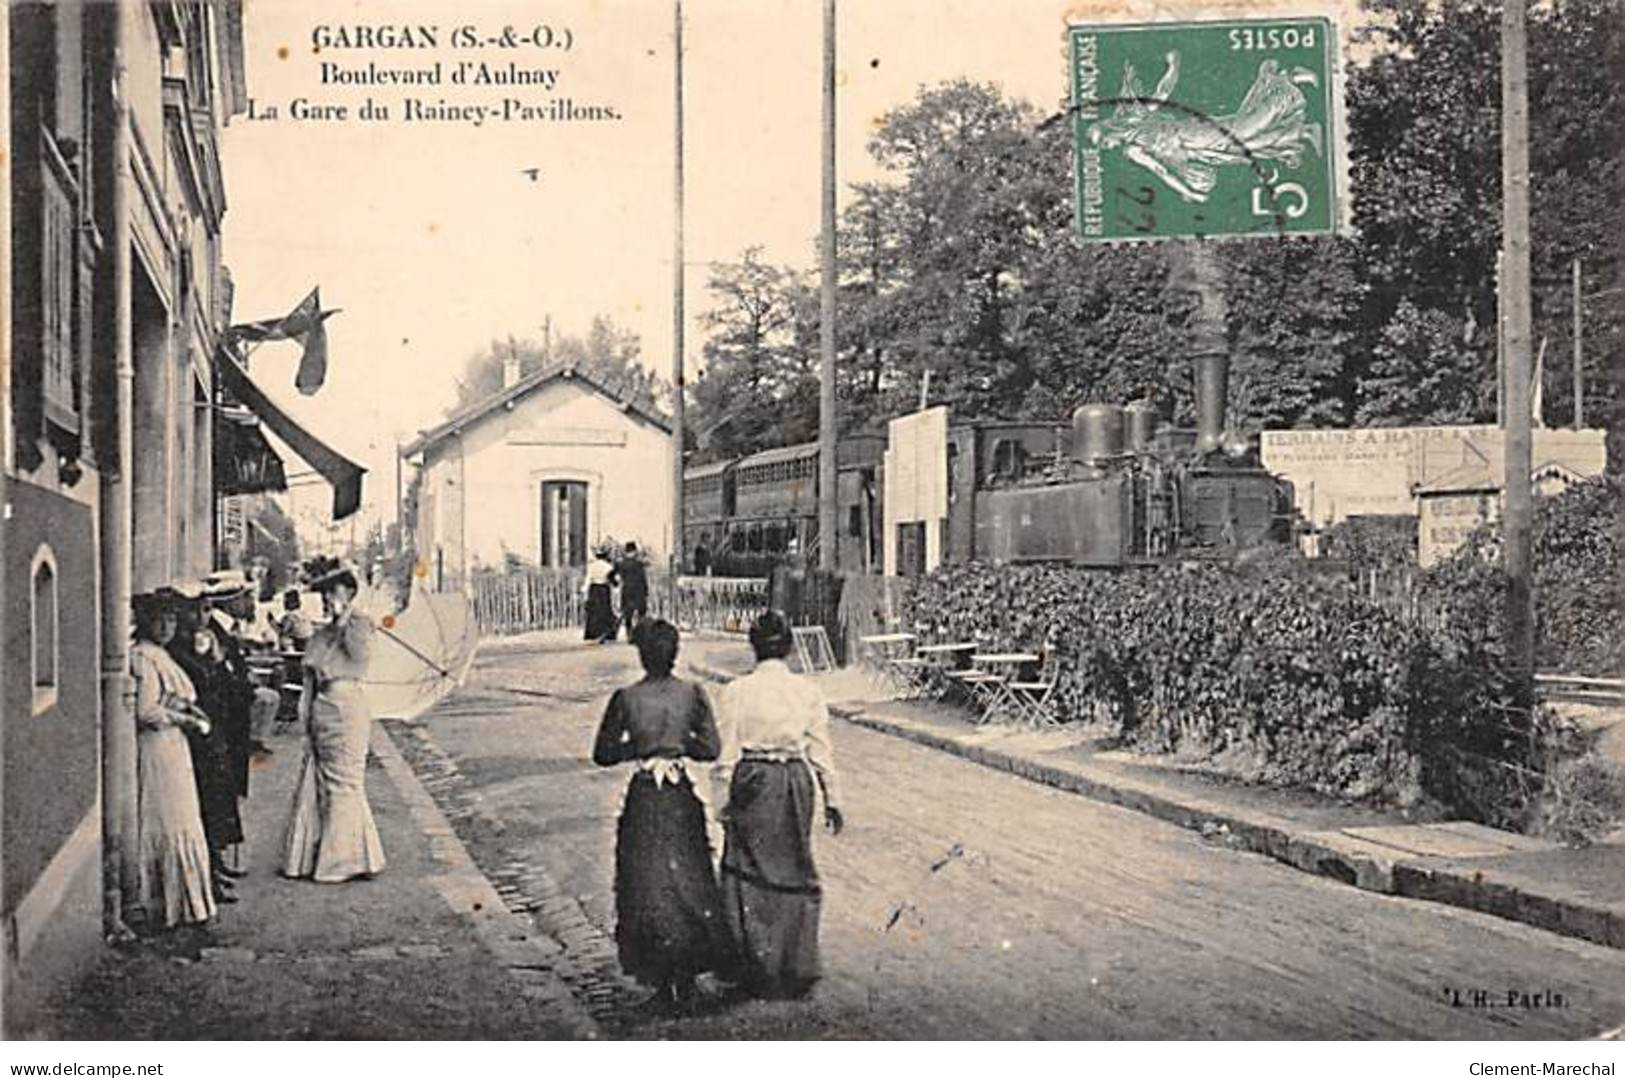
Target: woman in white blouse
x,y
601,624
173,869
775,740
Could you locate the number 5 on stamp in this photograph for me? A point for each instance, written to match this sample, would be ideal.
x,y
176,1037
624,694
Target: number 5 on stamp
x,y
1229,128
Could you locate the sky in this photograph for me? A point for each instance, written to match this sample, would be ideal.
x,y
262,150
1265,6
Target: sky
x,y
433,238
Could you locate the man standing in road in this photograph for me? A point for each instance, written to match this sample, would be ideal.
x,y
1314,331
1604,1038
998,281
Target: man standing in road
x,y
633,579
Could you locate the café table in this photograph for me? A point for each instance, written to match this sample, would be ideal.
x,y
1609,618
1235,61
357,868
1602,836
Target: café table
x,y
944,659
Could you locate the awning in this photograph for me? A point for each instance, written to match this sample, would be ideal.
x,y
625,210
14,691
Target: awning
x,y
343,473
244,462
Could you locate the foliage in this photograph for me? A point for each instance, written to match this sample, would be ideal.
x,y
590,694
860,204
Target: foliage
x,y
1583,801
1426,169
1322,688
759,386
961,260
607,353
1577,557
1372,542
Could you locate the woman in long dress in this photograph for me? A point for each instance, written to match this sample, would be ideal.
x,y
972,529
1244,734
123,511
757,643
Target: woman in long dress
x,y
775,740
331,836
601,624
173,875
668,915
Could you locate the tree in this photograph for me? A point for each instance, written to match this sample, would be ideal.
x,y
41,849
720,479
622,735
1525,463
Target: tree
x,y
759,385
608,354
962,262
1427,175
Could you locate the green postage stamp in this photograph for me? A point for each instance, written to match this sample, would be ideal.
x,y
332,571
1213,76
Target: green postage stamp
x,y
1206,128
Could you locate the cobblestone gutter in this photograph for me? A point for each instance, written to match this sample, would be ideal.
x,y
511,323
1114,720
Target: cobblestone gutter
x,y
571,947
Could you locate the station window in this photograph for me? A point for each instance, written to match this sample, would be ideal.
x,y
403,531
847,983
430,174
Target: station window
x,y
46,625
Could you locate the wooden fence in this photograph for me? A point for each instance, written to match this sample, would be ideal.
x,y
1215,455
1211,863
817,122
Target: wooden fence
x,y
722,603
517,602
529,599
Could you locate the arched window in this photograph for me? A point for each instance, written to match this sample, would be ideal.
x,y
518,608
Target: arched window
x,y
45,622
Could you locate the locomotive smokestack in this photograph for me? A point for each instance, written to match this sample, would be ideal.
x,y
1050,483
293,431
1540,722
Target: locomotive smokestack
x,y
1212,391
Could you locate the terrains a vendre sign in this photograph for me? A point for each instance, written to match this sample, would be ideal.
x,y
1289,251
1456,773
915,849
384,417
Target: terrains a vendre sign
x,y
1206,129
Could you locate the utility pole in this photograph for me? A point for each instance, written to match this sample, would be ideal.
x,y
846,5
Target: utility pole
x,y
400,502
1517,497
1500,338
1579,356
677,389
828,541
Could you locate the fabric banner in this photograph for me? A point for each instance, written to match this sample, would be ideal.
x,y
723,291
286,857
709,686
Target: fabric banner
x,y
343,473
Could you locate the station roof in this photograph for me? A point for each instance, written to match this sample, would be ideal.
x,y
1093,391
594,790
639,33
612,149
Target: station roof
x,y
479,410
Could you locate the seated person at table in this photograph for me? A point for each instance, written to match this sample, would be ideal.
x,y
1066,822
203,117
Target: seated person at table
x,y
293,628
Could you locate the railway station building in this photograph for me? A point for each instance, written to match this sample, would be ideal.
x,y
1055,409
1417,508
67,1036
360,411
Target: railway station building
x,y
539,474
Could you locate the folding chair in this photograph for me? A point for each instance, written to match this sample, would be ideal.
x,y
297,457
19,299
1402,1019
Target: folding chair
x,y
812,648
1034,699
984,689
908,675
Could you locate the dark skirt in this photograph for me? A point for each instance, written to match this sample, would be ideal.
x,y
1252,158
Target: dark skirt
x,y
668,914
601,623
213,770
770,890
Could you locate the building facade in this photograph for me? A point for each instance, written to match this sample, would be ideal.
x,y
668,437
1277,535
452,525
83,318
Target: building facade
x,y
118,300
539,474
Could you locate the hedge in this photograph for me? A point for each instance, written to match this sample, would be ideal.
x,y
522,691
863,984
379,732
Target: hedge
x,y
1576,550
1271,663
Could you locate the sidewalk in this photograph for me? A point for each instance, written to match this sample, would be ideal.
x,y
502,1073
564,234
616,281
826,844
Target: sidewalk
x,y
1578,893
426,951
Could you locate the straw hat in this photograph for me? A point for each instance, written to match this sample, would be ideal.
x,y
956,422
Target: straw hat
x,y
225,585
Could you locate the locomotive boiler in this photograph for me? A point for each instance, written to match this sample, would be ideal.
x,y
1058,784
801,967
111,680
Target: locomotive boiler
x,y
1112,488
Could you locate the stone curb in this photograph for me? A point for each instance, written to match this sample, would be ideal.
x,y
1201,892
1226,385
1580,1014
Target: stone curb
x,y
1367,865
512,943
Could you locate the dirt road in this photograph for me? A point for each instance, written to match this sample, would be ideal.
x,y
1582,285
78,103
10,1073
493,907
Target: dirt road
x,y
965,903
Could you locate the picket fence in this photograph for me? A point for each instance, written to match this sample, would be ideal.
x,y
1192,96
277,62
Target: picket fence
x,y
526,600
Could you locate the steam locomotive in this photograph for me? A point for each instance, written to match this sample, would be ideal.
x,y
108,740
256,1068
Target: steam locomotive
x,y
1109,488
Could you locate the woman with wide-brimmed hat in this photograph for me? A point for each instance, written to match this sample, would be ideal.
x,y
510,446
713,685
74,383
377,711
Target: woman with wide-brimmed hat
x,y
331,836
775,744
173,871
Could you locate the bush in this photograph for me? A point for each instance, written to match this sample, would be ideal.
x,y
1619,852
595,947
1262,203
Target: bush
x,y
1324,689
1576,556
1582,801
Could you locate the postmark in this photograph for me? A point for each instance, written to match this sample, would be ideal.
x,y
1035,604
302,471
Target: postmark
x,y
1238,136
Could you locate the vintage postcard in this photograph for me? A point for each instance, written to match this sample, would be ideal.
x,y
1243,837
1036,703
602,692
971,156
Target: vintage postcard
x,y
796,520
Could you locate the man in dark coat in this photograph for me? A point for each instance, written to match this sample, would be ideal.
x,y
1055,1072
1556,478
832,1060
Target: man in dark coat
x,y
633,579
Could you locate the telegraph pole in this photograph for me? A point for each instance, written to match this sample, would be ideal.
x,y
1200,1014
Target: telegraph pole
x,y
828,541
677,435
1517,497
1579,356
